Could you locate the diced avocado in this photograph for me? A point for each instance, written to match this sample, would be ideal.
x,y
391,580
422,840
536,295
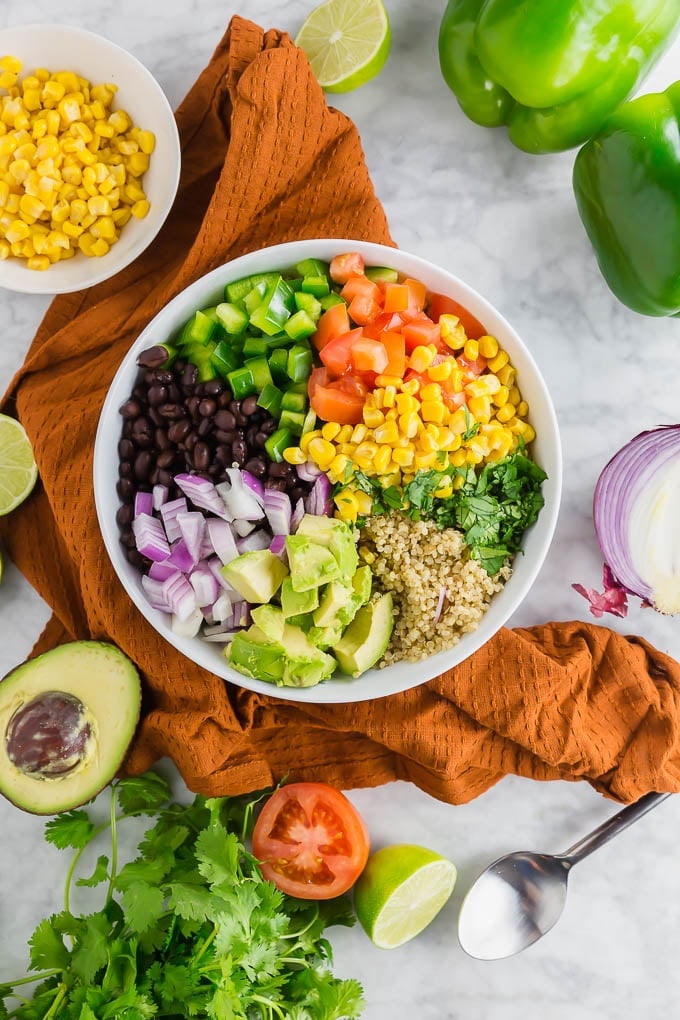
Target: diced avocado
x,y
270,620
336,535
367,637
308,672
361,585
325,637
336,596
304,621
256,575
254,659
311,564
295,603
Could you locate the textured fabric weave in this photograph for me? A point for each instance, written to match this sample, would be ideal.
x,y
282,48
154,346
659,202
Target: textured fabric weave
x,y
265,161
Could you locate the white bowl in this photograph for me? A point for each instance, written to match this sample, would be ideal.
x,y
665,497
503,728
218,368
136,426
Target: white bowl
x,y
375,683
66,48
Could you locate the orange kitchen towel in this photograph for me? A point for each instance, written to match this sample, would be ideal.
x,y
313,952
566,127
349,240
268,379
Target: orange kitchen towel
x,y
266,160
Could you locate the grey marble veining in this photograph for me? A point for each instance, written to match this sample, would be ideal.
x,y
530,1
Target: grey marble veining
x,y
506,222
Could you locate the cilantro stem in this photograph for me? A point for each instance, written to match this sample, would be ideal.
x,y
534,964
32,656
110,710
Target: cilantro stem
x,y
57,1001
114,845
270,1004
43,976
206,945
297,934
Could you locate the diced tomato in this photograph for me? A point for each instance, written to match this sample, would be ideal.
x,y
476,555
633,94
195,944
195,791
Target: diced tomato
x,y
440,304
388,320
344,266
417,295
350,383
369,355
453,400
475,367
317,377
334,404
421,331
336,355
362,309
360,285
311,841
395,345
334,322
396,297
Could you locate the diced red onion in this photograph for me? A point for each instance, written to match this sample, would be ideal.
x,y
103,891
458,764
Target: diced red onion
x,y
258,539
160,571
169,512
222,609
308,472
298,514
218,636
188,627
222,539
241,617
636,512
181,557
318,501
150,537
205,585
241,502
277,546
159,495
155,591
214,564
192,529
182,598
253,483
243,528
143,503
202,493
278,509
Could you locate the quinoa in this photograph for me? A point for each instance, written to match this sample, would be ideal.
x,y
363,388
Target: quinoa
x,y
414,560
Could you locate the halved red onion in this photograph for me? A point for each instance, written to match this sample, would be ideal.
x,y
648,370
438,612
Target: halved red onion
x,y
636,510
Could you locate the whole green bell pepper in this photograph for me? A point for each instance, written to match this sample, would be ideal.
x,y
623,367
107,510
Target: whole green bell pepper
x,y
627,186
552,70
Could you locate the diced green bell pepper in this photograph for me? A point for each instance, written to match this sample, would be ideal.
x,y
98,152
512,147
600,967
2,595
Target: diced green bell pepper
x,y
225,359
292,420
382,274
316,285
626,182
238,289
277,443
270,399
254,347
308,303
312,267
292,401
299,363
233,318
278,366
328,300
241,382
300,325
259,369
254,298
275,309
199,329
551,71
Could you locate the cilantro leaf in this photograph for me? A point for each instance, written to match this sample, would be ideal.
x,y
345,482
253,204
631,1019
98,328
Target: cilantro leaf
x,y
146,793
143,904
47,947
99,875
70,828
91,951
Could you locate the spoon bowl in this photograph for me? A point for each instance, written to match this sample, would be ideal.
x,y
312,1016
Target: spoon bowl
x,y
519,897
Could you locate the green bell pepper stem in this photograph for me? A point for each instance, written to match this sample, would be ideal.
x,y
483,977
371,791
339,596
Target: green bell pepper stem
x,y
551,72
626,186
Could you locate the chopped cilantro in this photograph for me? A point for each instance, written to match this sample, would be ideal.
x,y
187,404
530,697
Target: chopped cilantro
x,y
189,928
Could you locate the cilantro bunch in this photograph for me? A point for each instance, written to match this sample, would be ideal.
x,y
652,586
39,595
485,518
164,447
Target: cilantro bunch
x,y
187,929
493,507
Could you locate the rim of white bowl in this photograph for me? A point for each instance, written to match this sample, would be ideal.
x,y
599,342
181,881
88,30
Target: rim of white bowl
x,y
337,690
37,282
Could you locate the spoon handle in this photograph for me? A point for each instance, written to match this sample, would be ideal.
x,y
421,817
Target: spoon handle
x,y
612,827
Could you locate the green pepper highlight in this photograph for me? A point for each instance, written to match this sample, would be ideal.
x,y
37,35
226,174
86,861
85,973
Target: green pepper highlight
x,y
552,72
627,186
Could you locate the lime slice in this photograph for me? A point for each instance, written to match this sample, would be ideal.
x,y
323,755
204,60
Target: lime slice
x,y
18,470
347,42
401,890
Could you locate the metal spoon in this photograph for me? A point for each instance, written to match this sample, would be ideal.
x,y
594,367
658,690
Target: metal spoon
x,y
519,897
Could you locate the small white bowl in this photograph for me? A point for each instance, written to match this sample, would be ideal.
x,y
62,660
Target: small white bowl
x,y
66,48
376,683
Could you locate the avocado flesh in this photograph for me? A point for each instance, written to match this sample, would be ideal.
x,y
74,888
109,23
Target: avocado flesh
x,y
256,575
366,639
295,603
311,564
337,536
106,684
336,596
290,660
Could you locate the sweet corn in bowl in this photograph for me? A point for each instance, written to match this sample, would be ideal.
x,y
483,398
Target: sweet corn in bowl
x,y
89,158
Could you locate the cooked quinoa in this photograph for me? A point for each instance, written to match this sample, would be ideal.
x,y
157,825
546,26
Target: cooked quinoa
x,y
415,560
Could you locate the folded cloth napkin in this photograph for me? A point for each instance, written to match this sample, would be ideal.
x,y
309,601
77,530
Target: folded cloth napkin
x,y
264,161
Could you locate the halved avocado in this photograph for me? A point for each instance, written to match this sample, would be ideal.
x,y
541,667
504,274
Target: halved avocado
x,y
67,718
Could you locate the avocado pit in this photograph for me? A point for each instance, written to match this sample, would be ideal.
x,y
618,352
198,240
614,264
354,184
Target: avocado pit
x,y
49,736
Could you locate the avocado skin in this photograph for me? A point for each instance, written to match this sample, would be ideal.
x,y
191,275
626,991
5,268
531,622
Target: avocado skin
x,y
107,683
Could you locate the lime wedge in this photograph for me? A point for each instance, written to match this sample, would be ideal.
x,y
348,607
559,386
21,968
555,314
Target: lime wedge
x,y
402,889
18,470
347,42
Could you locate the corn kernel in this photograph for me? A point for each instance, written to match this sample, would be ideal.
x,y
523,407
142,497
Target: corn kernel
x,y
428,443
121,216
12,203
522,409
7,79
388,380
17,231
330,430
100,247
506,412
406,403
364,502
366,555
347,505
424,461
39,262
373,417
431,391
441,372
471,350
147,141
387,433
404,458
498,361
411,387
5,250
322,452
501,396
488,346
99,205
138,164
382,459
445,490
409,424
432,411
506,374
515,396
458,459
480,407
119,121
294,455
10,63
338,467
389,396
421,358
359,433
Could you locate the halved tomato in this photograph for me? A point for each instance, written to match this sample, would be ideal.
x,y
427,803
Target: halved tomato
x,y
440,304
311,841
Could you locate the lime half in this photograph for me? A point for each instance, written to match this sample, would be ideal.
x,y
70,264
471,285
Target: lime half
x,y
347,42
18,470
402,889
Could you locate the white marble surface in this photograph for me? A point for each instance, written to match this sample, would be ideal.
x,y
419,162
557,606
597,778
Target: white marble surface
x,y
506,222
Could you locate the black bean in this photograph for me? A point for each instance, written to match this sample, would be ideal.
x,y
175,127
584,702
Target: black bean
x,y
207,407
189,376
165,459
154,476
152,357
205,426
124,515
149,377
214,387
155,416
179,430
201,456
143,464
164,478
296,493
190,441
125,469
250,435
192,405
280,470
142,433
239,451
225,398
256,466
163,376
225,437
268,426
161,439
127,428
249,405
235,407
223,454
200,390
175,394
125,489
158,394
131,409
172,411
127,538
135,558
277,484
126,449
225,420
260,438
